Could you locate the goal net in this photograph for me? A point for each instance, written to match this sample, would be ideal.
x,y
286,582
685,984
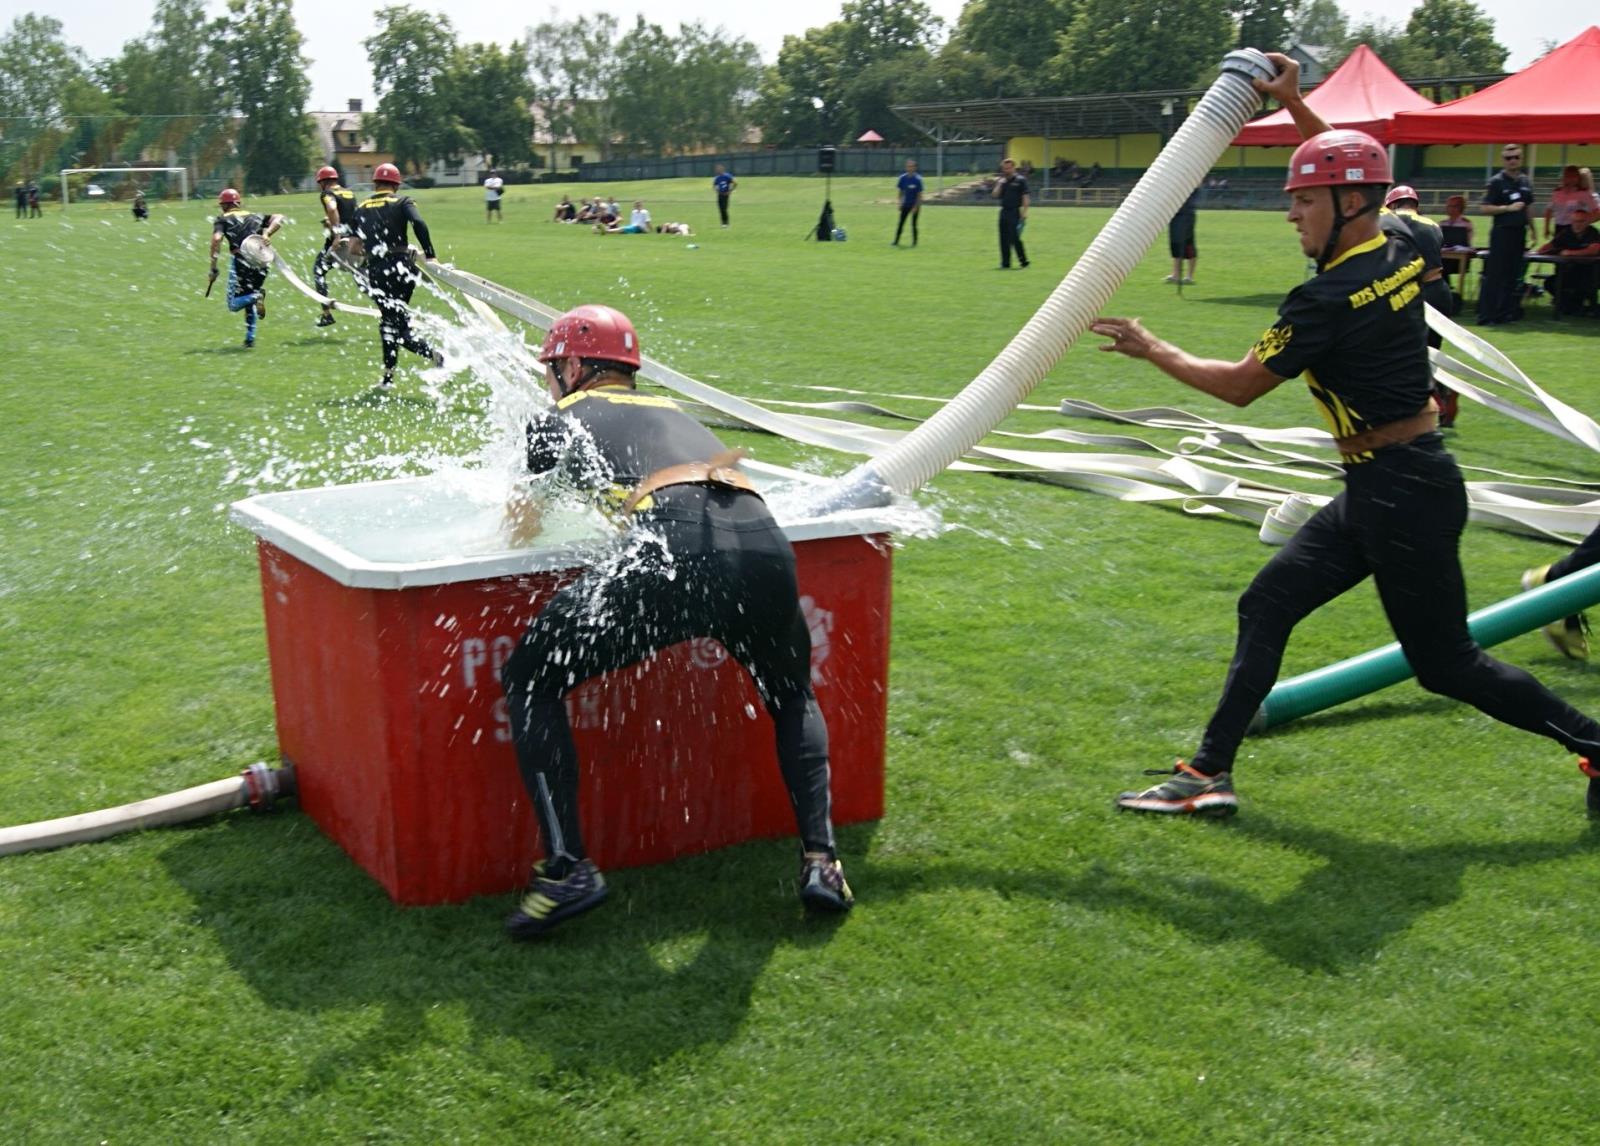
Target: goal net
x,y
121,185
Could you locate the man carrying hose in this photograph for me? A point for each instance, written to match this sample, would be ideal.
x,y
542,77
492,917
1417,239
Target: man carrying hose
x,y
247,281
699,556
380,224
1356,332
338,213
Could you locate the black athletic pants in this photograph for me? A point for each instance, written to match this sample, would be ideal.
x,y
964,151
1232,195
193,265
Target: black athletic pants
x,y
319,269
1009,238
1502,270
1399,519
722,208
913,212
729,576
392,283
1586,554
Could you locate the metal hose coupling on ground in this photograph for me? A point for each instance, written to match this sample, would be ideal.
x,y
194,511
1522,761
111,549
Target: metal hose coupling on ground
x,y
258,786
1205,135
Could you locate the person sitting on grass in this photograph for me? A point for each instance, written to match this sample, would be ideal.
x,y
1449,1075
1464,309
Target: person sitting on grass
x,y
673,229
566,211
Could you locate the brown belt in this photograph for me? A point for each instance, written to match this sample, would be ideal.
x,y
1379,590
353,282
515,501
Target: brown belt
x,y
721,470
1391,433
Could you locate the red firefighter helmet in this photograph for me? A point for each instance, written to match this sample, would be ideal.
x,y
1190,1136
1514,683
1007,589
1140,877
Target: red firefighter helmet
x,y
326,173
592,332
1399,193
228,198
1339,158
387,173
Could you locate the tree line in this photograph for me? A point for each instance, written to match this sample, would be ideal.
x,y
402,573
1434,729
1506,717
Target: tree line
x,y
644,90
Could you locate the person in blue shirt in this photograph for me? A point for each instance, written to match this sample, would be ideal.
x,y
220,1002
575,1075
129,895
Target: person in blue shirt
x,y
724,184
910,187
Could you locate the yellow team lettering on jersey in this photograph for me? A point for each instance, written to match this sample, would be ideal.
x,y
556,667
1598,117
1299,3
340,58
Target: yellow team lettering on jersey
x,y
379,198
1389,284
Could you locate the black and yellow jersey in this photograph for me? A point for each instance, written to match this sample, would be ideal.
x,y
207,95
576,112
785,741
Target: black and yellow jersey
x,y
1421,230
608,439
380,223
343,202
1358,334
236,225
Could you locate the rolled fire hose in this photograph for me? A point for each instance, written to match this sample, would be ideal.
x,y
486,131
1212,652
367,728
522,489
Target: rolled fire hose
x,y
1204,137
1379,668
259,253
258,786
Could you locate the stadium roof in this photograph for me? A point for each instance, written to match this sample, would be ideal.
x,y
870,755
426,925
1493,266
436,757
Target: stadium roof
x,y
1056,117
1085,116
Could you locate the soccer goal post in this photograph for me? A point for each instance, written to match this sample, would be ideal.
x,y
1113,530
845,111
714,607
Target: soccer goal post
x,y
66,187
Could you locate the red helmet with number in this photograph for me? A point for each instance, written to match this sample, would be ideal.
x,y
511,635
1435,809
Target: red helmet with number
x,y
228,198
1400,193
326,173
1339,158
387,173
592,332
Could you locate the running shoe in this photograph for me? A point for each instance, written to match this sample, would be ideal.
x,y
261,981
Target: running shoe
x,y
547,902
1186,792
1170,279
1570,635
1592,770
822,885
438,360
326,319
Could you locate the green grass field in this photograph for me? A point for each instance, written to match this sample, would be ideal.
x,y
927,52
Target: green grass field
x,y
1393,943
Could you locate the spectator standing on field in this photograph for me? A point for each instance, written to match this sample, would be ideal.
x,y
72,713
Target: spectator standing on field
x,y
21,194
33,202
493,190
910,188
724,185
1508,200
1012,191
1180,239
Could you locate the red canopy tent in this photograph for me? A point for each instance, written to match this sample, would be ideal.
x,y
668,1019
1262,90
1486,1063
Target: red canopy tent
x,y
1362,94
1552,100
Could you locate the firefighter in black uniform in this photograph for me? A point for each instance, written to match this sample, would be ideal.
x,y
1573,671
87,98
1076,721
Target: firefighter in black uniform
x,y
700,556
1402,203
338,212
1509,200
1356,332
380,226
247,278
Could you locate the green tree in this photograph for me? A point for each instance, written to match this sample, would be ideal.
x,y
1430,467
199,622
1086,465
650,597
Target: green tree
x,y
1453,37
575,67
1142,45
720,76
1264,24
838,79
179,68
41,75
1321,23
409,54
488,89
1018,34
267,78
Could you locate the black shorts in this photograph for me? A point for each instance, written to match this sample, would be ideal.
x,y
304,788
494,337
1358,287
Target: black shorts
x,y
1180,239
492,204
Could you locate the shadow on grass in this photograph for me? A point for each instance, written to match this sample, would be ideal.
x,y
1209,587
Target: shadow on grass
x,y
1339,916
1339,716
374,399
1255,301
230,348
667,965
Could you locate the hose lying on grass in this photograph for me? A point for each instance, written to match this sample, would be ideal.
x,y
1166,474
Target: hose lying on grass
x,y
258,786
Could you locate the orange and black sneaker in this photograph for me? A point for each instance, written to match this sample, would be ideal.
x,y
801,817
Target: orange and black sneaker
x,y
1592,770
1188,792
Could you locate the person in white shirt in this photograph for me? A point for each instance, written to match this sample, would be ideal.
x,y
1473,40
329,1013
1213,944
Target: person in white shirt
x,y
493,189
639,218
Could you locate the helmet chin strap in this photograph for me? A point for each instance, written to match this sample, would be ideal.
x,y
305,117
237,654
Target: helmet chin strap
x,y
1339,220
